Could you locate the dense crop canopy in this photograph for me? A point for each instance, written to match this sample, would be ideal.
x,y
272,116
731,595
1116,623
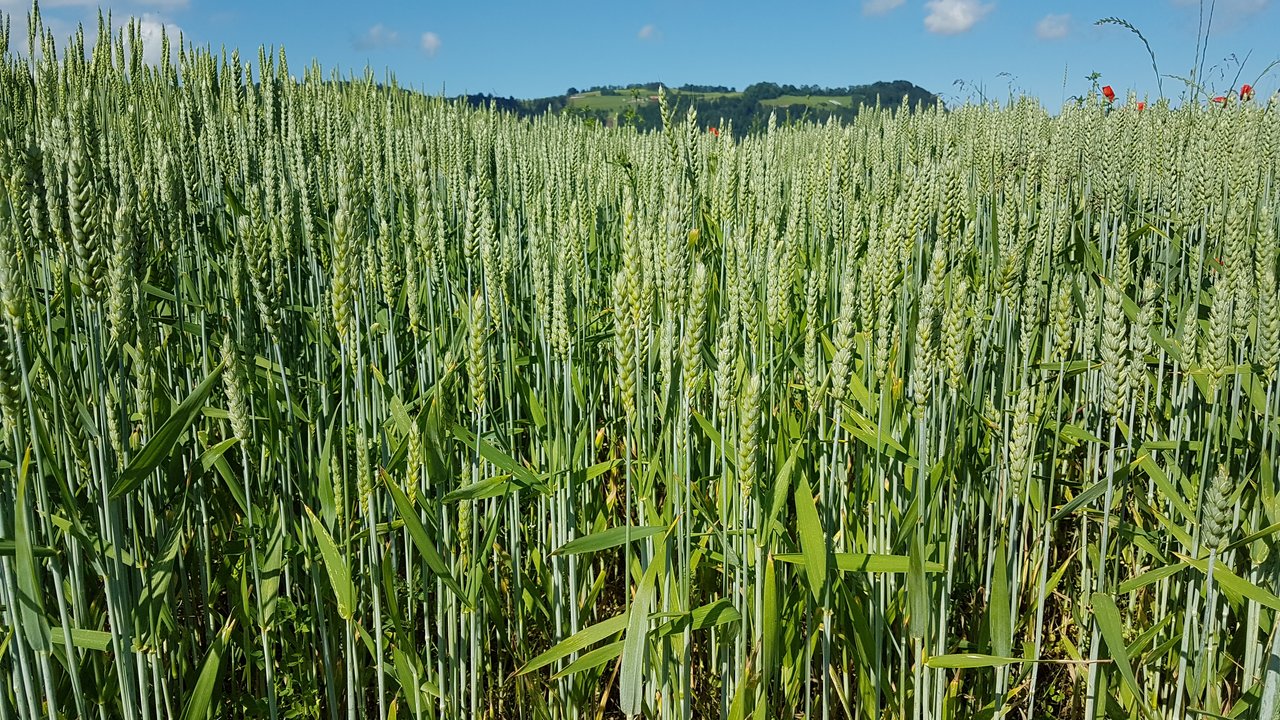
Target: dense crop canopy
x,y
326,399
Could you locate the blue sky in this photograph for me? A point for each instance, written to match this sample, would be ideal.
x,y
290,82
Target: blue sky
x,y
1045,48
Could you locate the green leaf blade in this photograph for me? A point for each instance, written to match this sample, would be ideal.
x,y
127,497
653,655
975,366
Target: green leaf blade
x,y
336,566
161,445
813,541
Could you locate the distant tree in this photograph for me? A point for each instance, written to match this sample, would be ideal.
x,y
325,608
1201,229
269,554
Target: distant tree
x,y
571,91
761,91
705,88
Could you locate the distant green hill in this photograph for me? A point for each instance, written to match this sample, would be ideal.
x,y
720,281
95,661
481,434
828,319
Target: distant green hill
x,y
748,110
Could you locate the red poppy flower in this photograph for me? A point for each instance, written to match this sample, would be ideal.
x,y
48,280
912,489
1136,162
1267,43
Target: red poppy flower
x,y
1108,93
1141,106
1221,100
713,131
1246,92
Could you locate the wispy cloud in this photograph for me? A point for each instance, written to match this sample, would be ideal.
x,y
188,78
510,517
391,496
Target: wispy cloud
x,y
952,17
376,38
879,7
430,43
119,8
648,32
1230,6
1053,27
1229,14
62,16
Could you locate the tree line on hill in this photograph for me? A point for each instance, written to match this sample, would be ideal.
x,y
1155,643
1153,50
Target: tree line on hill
x,y
746,110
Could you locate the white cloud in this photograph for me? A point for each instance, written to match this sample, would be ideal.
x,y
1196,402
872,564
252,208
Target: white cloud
x,y
879,7
151,33
430,43
1053,27
376,38
61,17
648,32
952,17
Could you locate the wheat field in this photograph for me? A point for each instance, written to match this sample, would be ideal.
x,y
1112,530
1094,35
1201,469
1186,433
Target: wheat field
x,y
322,398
